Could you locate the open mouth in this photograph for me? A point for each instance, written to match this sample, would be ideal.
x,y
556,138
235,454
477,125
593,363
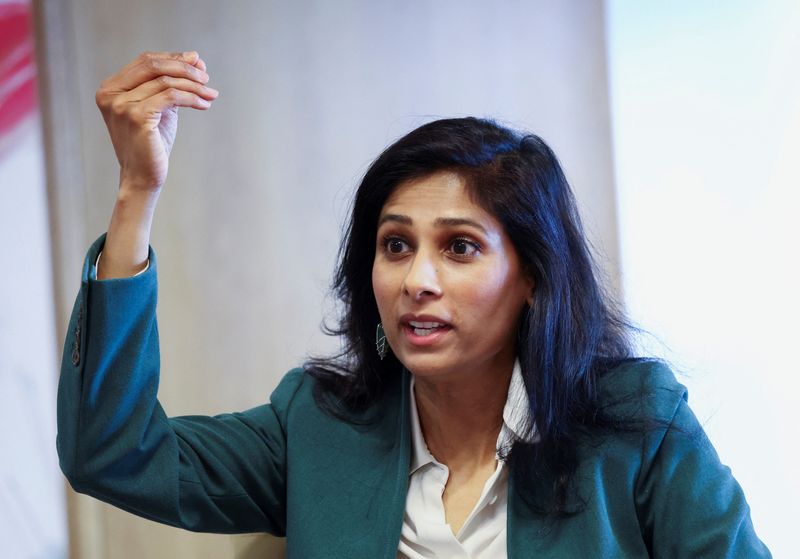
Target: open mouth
x,y
426,328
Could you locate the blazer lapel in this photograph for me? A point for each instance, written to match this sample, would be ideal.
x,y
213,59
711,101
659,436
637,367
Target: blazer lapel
x,y
349,481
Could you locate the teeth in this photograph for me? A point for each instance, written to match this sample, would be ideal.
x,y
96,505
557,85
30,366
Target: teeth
x,y
426,325
425,328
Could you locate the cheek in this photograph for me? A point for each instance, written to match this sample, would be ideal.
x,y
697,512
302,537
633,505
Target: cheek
x,y
494,300
485,290
381,288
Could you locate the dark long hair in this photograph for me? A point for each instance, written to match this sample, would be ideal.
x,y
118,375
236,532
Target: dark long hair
x,y
568,337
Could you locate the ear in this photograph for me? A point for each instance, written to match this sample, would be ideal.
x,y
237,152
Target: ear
x,y
530,289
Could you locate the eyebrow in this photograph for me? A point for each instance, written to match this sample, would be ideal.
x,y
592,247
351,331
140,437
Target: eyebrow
x,y
438,222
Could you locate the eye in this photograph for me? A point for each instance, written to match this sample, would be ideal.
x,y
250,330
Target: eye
x,y
395,245
464,247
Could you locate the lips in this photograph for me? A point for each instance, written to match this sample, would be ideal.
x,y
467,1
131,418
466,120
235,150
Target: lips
x,y
423,329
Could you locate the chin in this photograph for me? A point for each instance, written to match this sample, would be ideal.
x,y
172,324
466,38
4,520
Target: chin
x,y
430,365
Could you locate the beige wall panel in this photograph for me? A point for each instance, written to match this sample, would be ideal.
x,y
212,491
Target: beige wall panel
x,y
249,221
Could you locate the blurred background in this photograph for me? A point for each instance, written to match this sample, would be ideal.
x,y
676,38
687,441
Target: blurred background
x,y
678,126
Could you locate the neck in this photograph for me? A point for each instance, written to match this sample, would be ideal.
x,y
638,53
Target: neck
x,y
461,419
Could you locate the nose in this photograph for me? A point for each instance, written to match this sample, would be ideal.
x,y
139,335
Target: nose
x,y
422,278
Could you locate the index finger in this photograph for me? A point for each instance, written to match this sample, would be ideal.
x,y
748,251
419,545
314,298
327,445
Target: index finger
x,y
150,65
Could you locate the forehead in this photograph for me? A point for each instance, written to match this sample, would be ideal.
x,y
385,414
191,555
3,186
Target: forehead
x,y
444,193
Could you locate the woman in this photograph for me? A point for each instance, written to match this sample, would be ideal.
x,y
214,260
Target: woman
x,y
486,404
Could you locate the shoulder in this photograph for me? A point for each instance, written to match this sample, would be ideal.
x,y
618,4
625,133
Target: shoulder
x,y
641,388
294,386
649,409
294,403
301,394
288,386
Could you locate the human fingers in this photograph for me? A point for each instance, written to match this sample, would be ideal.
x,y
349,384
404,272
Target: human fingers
x,y
166,99
161,83
190,56
153,66
149,65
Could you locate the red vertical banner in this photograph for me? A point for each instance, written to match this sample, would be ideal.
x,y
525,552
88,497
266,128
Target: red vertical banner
x,y
18,97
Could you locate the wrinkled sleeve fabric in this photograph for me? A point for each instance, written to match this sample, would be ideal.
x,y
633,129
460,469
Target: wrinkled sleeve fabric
x,y
690,504
224,474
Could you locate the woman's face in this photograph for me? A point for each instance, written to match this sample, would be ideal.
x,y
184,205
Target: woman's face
x,y
447,280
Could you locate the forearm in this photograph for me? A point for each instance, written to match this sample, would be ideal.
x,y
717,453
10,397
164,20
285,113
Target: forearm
x,y
128,239
140,107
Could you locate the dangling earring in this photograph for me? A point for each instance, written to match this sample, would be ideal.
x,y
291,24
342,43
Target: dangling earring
x,y
380,341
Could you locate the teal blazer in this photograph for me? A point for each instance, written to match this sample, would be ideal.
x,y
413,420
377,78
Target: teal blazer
x,y
338,490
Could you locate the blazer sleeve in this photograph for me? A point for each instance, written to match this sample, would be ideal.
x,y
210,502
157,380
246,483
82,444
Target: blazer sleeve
x,y
224,474
689,503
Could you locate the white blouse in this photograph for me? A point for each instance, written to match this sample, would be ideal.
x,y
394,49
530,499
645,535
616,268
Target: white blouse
x,y
425,532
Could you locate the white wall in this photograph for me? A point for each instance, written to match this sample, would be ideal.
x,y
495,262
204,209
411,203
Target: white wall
x,y
705,104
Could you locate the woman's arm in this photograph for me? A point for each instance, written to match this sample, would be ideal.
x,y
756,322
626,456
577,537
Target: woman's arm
x,y
220,474
216,474
140,108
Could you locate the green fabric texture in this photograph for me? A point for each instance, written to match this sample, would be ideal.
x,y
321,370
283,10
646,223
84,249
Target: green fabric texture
x,y
338,489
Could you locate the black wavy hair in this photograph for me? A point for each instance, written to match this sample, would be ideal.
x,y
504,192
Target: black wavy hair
x,y
571,334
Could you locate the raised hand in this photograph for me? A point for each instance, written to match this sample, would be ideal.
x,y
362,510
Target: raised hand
x,y
140,107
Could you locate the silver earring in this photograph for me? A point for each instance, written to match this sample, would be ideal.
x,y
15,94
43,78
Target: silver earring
x,y
380,341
